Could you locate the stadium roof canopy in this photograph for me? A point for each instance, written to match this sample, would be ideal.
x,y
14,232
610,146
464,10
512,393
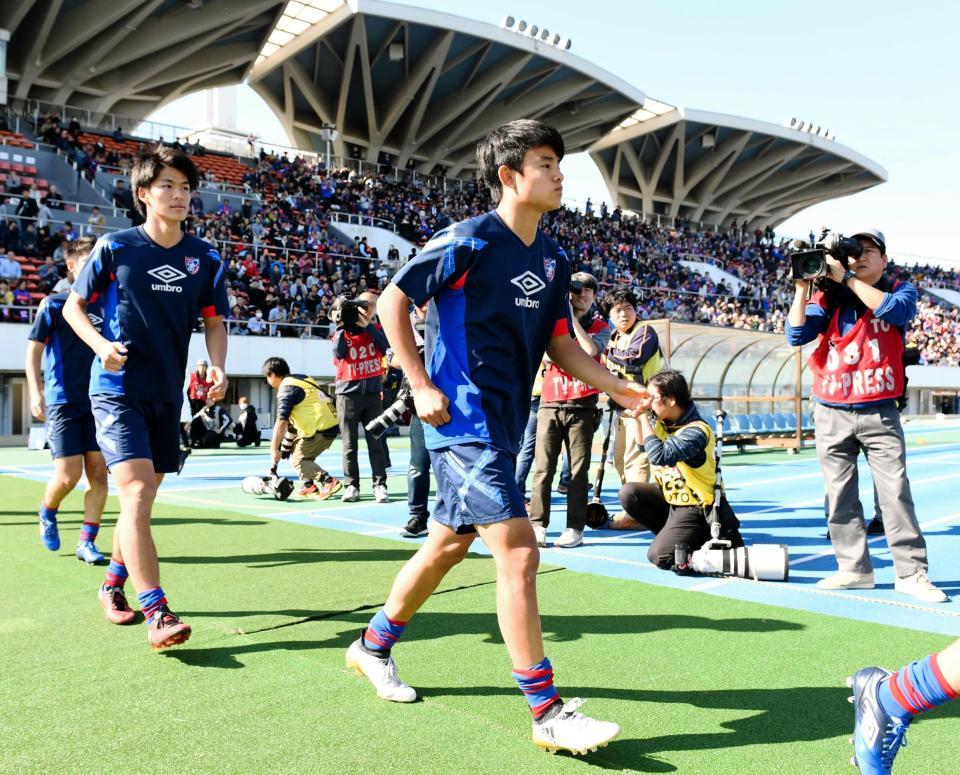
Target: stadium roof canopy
x,y
715,168
396,78
426,85
130,56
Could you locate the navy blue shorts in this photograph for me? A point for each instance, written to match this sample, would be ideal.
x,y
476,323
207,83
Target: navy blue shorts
x,y
131,428
71,430
476,485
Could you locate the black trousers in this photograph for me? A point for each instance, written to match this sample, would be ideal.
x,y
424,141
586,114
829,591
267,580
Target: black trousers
x,y
355,410
674,525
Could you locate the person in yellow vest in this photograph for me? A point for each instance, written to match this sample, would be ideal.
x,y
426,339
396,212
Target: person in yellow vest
x,y
680,447
305,427
633,354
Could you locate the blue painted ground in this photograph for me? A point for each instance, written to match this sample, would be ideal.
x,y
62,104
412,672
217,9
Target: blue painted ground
x,y
778,497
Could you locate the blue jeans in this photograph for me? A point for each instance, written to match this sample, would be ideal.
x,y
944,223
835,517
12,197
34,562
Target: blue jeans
x,y
527,446
418,475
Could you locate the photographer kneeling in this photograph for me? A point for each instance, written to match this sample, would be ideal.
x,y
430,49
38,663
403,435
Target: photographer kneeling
x,y
680,448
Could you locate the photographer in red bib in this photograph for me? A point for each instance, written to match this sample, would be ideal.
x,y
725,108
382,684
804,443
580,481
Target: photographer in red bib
x,y
859,317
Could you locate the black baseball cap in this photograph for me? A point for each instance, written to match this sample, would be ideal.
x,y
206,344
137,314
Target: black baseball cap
x,y
876,237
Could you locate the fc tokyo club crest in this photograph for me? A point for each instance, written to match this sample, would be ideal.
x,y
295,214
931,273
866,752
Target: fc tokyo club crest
x,y
193,264
550,267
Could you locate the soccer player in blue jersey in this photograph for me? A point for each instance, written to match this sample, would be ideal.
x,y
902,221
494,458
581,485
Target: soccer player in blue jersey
x,y
153,281
58,378
498,293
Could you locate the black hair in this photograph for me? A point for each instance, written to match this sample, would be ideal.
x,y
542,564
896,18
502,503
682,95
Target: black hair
x,y
80,247
620,295
506,146
277,367
149,165
672,385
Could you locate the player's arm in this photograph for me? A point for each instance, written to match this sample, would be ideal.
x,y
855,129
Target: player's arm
x,y
569,356
280,428
216,338
35,379
113,355
393,308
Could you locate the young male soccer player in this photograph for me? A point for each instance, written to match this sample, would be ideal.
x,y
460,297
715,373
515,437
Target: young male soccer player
x,y
497,288
59,395
885,704
153,281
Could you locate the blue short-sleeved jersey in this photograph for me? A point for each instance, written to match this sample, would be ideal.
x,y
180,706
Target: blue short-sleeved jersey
x,y
495,304
151,297
66,358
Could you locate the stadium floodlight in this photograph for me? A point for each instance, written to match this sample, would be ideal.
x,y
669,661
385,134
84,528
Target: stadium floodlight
x,y
793,122
565,44
544,34
521,25
534,29
801,126
508,22
555,40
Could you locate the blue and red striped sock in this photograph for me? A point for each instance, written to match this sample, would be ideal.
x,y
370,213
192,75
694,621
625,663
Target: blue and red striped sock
x,y
383,632
89,531
116,574
151,601
916,688
537,686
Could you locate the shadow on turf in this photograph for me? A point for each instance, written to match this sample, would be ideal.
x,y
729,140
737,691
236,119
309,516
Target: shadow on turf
x,y
298,557
108,521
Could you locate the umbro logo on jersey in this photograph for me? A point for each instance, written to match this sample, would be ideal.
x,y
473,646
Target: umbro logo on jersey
x,y
531,285
167,275
96,320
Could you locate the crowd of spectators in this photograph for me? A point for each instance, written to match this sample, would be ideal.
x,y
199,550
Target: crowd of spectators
x,y
286,264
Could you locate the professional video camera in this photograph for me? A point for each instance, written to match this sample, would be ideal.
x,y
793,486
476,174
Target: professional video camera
x,y
810,262
346,312
392,414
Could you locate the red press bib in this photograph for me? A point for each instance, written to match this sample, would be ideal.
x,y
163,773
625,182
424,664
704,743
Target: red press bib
x,y
864,366
363,359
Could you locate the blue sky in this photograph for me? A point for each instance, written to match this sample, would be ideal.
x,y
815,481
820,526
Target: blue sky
x,y
883,76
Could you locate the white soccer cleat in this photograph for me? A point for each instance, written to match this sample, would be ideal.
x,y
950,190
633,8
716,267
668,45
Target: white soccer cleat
x,y
382,673
380,493
568,730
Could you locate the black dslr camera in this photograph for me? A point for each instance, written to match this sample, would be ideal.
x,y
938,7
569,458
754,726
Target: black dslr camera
x,y
345,312
810,263
392,414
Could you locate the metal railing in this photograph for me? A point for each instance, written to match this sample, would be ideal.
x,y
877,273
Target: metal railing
x,y
355,219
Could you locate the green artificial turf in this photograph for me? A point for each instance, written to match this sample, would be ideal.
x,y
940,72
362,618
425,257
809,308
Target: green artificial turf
x,y
699,684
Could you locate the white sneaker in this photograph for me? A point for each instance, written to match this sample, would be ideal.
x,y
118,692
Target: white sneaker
x,y
569,538
350,494
568,730
921,587
380,493
847,580
541,535
382,673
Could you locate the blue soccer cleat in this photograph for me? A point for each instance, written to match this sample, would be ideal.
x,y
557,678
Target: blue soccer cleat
x,y
49,533
87,552
877,736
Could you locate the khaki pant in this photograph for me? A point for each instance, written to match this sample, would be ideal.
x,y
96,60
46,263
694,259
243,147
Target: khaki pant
x,y
304,455
629,456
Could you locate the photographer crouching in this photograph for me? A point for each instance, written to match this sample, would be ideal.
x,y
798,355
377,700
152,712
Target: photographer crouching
x,y
680,447
859,318
305,427
359,347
